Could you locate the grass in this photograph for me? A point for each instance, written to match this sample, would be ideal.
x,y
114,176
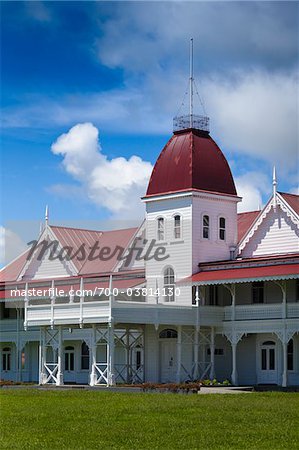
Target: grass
x,y
35,419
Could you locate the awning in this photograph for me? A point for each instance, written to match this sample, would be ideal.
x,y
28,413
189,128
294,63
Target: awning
x,y
243,275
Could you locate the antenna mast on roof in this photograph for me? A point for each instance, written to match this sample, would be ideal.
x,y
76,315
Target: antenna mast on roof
x,y
191,79
190,120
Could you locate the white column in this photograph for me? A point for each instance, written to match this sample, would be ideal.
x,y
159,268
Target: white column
x,y
128,354
196,347
110,362
43,355
179,354
212,352
93,351
285,363
234,375
233,294
59,381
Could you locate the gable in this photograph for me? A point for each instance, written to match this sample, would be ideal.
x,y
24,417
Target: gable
x,y
41,268
276,233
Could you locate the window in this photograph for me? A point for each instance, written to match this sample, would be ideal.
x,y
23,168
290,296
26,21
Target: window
x,y
222,228
297,290
69,358
160,229
290,364
213,295
258,292
206,227
168,334
169,284
217,352
6,359
177,227
84,356
6,312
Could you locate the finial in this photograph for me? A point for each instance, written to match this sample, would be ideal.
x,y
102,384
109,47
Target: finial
x,y
191,84
47,215
274,184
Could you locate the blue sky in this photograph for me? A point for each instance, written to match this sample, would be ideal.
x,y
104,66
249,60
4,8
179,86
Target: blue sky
x,y
123,67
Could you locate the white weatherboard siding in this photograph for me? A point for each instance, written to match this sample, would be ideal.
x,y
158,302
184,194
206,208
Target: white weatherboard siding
x,y
179,250
276,234
213,249
46,269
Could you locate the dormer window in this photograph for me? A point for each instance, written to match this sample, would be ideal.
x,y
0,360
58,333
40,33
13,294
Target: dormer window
x,y
222,228
206,227
160,233
177,227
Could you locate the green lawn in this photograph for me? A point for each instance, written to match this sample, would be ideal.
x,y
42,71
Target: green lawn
x,y
32,418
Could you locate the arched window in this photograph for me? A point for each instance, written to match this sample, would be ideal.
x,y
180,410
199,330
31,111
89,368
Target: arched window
x,y
222,228
168,333
169,286
84,356
206,227
6,359
177,227
160,234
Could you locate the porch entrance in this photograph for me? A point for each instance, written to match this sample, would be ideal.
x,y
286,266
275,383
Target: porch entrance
x,y
69,365
268,363
168,355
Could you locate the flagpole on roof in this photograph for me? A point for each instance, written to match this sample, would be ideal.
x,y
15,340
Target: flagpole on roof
x,y
191,84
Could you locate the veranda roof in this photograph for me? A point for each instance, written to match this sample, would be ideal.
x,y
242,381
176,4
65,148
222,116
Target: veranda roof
x,y
244,274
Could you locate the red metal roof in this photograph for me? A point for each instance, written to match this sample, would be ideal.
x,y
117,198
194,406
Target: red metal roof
x,y
191,159
292,200
74,238
245,220
245,274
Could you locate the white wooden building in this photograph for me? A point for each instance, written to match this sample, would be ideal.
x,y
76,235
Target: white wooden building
x,y
231,303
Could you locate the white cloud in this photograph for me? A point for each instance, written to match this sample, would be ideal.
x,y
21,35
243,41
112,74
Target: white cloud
x,y
11,245
295,190
251,186
257,114
254,113
115,184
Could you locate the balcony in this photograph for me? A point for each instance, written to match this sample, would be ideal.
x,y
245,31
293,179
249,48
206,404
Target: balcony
x,y
261,312
145,313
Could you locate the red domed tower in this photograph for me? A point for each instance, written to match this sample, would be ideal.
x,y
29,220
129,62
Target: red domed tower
x,y
191,202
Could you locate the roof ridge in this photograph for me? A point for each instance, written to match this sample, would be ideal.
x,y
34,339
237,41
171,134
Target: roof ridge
x,y
93,231
249,212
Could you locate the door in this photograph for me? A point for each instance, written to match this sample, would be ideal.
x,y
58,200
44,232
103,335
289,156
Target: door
x,y
168,361
268,363
69,365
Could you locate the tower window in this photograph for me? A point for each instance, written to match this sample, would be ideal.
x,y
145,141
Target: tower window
x,y
258,292
222,228
161,229
169,284
177,227
206,227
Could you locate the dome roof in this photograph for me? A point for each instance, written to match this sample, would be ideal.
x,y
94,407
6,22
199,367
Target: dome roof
x,y
191,159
